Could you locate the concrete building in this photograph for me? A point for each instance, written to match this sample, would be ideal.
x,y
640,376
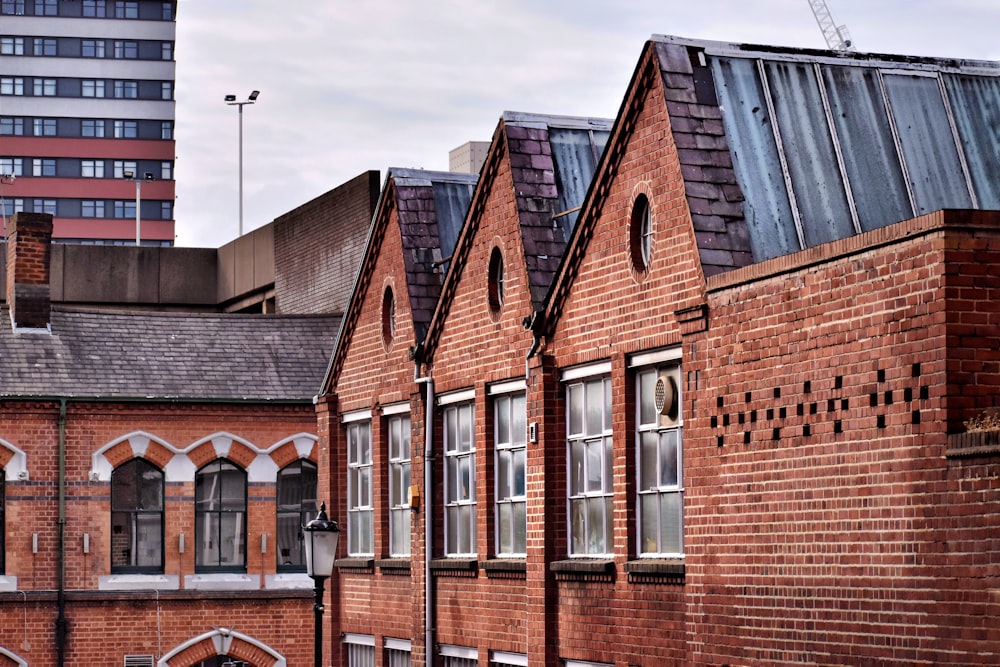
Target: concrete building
x,y
711,411
87,117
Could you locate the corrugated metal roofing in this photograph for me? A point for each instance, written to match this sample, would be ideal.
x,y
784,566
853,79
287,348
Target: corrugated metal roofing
x,y
825,145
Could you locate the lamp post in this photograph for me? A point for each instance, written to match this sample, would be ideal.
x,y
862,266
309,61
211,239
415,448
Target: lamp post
x,y
321,536
131,176
231,101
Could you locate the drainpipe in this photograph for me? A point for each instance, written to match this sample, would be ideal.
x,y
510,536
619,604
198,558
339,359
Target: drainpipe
x,y
429,626
61,623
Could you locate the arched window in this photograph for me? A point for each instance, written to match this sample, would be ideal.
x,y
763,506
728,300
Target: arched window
x,y
137,517
220,526
296,507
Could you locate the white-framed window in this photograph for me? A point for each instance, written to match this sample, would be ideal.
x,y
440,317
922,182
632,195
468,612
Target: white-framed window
x,y
590,456
11,206
44,127
46,8
397,652
167,130
459,480
92,48
398,426
360,650
360,537
11,85
166,210
43,166
167,90
166,170
167,51
121,166
12,166
12,46
586,663
458,656
44,87
507,659
92,168
659,460
510,445
92,88
92,128
126,129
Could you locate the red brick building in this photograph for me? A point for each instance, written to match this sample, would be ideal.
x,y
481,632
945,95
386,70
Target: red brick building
x,y
710,410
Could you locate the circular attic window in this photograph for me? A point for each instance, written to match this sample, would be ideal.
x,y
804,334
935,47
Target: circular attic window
x,y
641,234
496,280
388,316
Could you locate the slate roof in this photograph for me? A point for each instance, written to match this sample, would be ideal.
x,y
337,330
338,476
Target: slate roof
x,y
171,356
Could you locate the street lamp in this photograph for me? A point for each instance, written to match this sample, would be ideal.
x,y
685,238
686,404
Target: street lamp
x,y
321,536
131,176
231,101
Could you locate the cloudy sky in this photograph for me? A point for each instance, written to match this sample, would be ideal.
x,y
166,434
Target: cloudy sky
x,y
352,85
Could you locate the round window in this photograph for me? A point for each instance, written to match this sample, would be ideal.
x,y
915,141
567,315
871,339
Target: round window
x,y
388,316
496,280
641,233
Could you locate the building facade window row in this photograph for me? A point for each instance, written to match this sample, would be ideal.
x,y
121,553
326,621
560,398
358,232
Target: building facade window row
x,y
116,9
97,128
85,168
139,516
152,209
34,86
77,47
590,403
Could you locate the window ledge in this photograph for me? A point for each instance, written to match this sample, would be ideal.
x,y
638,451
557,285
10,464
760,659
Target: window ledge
x,y
394,563
8,584
973,443
222,582
454,566
505,568
584,565
284,580
355,563
136,582
648,568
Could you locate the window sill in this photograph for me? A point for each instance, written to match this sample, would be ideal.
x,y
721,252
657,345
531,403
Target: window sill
x,y
286,580
136,582
454,567
499,568
355,563
583,569
394,565
8,584
655,569
221,582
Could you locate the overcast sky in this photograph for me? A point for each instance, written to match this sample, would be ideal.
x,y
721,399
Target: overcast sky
x,y
352,85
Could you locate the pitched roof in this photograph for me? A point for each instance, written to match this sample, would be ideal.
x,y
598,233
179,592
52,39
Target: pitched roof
x,y
430,208
173,356
785,149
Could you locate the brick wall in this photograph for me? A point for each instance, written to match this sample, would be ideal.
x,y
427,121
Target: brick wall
x,y
317,247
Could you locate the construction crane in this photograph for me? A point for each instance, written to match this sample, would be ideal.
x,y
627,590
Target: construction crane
x,y
837,38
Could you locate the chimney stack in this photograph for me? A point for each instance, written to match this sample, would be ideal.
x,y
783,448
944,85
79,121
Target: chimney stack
x,y
29,254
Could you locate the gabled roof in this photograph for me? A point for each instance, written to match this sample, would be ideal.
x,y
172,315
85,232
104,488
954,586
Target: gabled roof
x,y
783,149
167,356
552,161
430,208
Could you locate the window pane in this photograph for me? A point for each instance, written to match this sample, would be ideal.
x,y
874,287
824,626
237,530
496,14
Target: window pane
x,y
233,550
647,405
574,400
518,483
668,458
649,523
504,518
503,420
671,511
520,528
517,423
595,466
578,524
503,473
647,460
595,407
577,452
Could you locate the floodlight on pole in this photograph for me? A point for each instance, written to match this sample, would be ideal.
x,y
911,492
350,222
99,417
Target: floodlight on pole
x,y
231,101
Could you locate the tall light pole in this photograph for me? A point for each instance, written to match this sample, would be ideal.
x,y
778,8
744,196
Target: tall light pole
x,y
231,101
321,536
132,176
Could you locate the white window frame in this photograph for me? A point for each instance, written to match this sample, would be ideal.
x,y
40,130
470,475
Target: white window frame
x,y
507,659
360,478
510,444
121,166
13,166
360,650
459,501
12,85
398,432
397,652
39,166
588,445
92,168
663,436
44,87
12,46
458,656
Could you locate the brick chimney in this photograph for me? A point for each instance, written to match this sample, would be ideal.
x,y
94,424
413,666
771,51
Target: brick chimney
x,y
29,254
